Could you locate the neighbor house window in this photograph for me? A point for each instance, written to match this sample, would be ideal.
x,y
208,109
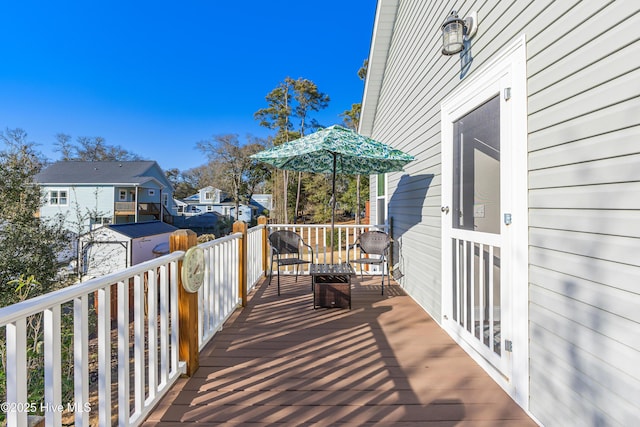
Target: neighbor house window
x,y
151,192
122,195
209,208
208,195
165,199
58,197
100,220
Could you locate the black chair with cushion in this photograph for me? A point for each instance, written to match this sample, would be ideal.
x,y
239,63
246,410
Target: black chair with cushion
x,y
288,249
376,243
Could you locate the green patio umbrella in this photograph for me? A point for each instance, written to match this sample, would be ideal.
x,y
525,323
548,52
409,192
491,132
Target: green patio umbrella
x,y
335,150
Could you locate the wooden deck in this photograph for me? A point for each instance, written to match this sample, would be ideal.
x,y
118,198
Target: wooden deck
x,y
385,362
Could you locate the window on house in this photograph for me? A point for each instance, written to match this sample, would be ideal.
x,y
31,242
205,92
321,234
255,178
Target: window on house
x,y
208,195
209,208
122,195
58,197
381,184
151,192
165,199
180,209
100,220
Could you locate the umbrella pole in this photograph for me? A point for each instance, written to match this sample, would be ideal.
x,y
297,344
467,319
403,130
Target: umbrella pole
x,y
333,202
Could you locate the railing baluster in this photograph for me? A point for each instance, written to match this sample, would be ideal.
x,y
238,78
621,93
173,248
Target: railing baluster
x,y
17,372
152,334
217,289
164,326
52,366
81,360
123,351
235,262
202,315
138,344
104,355
174,316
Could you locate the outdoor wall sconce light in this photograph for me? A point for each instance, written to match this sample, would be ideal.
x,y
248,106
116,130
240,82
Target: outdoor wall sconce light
x,y
456,31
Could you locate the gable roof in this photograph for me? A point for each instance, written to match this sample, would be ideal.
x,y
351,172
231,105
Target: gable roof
x,y
78,172
135,230
385,19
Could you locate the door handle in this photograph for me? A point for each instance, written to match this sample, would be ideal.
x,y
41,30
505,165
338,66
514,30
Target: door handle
x,y
445,209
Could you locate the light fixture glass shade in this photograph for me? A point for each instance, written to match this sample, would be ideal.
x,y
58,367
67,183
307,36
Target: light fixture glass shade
x,y
452,35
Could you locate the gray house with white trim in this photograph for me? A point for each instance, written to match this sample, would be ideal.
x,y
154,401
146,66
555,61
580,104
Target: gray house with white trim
x,y
518,226
214,200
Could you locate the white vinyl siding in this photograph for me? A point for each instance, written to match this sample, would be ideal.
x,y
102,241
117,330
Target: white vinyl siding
x,y
584,184
583,178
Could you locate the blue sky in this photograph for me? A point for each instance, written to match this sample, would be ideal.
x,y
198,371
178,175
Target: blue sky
x,y
157,77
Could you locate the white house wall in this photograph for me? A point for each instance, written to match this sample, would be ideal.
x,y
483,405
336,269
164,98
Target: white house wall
x,y
584,186
584,181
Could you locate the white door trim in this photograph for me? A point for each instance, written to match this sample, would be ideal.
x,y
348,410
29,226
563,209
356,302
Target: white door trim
x,y
509,64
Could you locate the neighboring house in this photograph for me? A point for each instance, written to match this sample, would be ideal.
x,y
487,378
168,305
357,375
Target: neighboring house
x,y
179,207
88,194
213,200
517,227
264,202
209,223
115,247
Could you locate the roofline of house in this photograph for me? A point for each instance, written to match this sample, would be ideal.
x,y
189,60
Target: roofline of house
x,y
114,184
385,19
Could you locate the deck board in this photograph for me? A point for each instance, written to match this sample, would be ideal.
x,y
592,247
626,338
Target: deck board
x,y
384,362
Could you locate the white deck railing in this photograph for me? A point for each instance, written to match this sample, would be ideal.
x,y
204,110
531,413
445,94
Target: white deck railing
x,y
132,358
219,296
255,253
319,237
123,331
109,346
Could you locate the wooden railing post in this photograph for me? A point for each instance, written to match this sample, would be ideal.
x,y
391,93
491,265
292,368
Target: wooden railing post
x,y
262,220
181,240
241,227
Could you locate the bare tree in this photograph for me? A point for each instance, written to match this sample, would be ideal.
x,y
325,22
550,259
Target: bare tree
x,y
232,165
91,149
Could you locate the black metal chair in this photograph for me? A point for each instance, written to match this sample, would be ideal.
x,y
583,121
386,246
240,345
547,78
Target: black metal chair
x,y
287,249
375,243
